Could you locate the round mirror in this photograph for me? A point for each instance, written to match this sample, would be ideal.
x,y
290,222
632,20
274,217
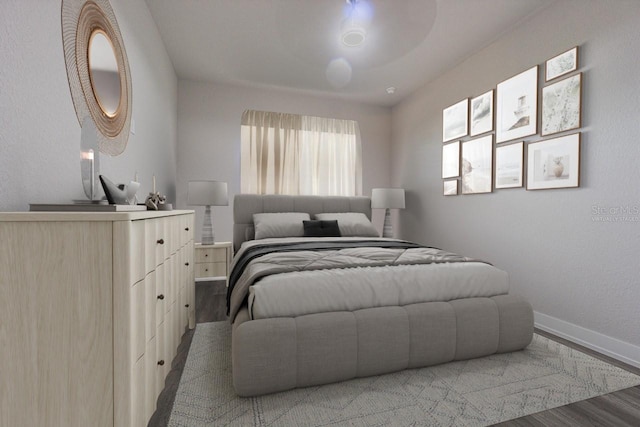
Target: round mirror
x,y
98,71
103,72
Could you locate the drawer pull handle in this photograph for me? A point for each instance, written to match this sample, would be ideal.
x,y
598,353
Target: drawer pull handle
x,y
206,255
160,362
206,269
187,264
186,229
186,305
161,241
160,296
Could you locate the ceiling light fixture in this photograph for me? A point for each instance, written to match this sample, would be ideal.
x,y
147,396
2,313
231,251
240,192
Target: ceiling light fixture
x,y
353,31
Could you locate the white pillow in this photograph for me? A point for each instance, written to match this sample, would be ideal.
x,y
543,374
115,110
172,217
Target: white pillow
x,y
351,224
281,224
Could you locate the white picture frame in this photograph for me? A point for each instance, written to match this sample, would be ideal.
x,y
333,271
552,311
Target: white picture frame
x,y
477,165
481,114
561,105
509,166
561,64
554,163
517,106
451,160
455,121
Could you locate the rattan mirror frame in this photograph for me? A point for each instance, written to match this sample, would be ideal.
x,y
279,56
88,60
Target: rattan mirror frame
x,y
80,18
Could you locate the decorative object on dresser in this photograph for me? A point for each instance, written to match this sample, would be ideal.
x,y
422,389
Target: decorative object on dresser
x,y
119,194
387,198
89,159
93,306
84,207
207,193
213,260
156,201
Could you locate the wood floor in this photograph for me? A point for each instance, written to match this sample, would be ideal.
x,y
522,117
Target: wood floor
x,y
621,408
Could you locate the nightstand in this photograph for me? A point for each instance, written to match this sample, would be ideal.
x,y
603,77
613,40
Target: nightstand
x,y
212,261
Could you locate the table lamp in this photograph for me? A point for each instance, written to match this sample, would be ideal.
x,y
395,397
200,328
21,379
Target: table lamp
x,y
387,198
207,193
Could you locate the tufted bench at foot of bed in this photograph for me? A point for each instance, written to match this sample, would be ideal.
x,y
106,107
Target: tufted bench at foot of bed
x,y
271,355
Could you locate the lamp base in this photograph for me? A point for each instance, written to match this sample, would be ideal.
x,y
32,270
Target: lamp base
x,y
207,227
387,230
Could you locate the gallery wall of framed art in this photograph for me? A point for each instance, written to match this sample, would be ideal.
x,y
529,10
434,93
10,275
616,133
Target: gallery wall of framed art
x,y
524,133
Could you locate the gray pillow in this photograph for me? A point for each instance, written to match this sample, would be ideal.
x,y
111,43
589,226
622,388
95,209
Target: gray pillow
x,y
281,224
351,224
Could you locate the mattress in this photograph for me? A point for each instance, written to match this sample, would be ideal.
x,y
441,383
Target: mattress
x,y
307,281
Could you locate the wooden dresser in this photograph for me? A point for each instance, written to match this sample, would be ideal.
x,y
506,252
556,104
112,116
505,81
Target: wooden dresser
x,y
92,309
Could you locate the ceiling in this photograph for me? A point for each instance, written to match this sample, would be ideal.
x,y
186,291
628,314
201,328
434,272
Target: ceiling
x,y
295,44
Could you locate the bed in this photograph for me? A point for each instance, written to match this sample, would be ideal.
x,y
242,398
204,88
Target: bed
x,y
302,315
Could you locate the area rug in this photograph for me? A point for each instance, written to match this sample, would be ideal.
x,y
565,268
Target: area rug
x,y
467,393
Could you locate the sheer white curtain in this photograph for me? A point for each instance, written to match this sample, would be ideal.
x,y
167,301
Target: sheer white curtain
x,y
294,154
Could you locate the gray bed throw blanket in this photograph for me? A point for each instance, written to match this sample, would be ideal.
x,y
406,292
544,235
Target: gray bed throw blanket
x,y
261,260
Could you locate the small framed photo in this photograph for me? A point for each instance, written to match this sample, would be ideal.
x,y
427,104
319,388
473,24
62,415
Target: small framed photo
x,y
554,163
455,121
561,64
451,160
509,165
450,187
482,114
517,106
477,165
561,105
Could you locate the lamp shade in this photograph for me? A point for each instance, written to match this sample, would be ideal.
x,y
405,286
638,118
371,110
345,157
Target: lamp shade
x,y
207,193
383,198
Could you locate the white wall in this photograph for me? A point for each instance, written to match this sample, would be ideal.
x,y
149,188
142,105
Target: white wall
x,y
580,275
209,138
39,131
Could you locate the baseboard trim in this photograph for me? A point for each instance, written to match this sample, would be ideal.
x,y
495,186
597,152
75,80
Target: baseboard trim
x,y
612,347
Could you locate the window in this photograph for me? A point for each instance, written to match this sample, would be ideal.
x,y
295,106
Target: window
x,y
293,154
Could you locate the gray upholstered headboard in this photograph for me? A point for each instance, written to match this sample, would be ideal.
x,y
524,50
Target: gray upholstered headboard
x,y
245,205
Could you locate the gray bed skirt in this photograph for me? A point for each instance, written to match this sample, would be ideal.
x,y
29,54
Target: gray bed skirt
x,y
271,355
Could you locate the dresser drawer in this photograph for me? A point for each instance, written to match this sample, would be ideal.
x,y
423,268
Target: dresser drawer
x,y
211,269
186,229
211,255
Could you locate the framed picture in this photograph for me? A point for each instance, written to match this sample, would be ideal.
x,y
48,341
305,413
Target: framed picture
x,y
455,121
561,64
561,105
482,114
477,165
554,163
450,187
509,165
517,106
451,160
